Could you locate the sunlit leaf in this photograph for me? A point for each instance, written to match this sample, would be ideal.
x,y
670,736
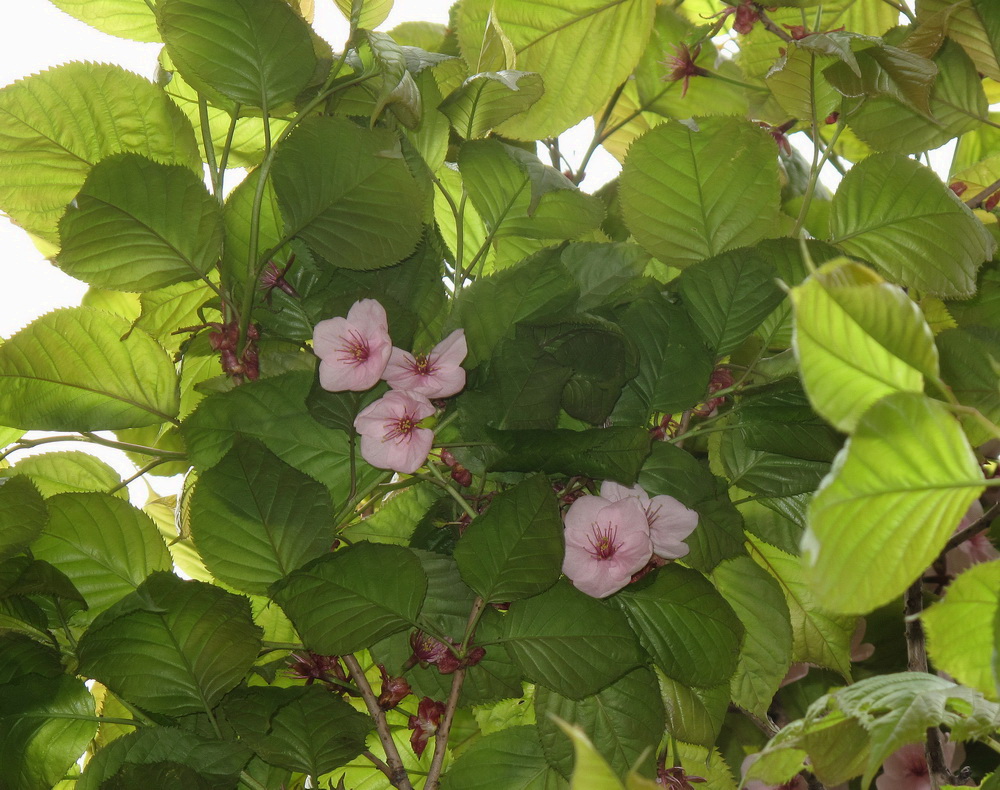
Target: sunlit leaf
x,y
583,49
676,200
367,14
71,370
857,339
104,545
55,125
172,646
137,225
889,203
973,24
896,493
132,19
962,628
487,99
70,471
256,52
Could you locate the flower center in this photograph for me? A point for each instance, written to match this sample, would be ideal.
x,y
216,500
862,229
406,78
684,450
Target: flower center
x,y
400,428
604,541
422,365
355,349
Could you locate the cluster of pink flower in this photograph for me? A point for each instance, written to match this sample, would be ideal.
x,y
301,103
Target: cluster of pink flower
x,y
356,353
611,537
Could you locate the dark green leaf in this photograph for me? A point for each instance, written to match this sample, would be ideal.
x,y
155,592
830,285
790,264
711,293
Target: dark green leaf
x,y
693,635
569,642
23,515
347,600
256,52
305,729
172,646
510,759
729,295
137,225
968,359
20,655
24,576
624,720
515,549
765,473
694,715
363,208
256,519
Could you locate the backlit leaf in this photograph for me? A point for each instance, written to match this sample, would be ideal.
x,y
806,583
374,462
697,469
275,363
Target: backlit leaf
x,y
896,493
132,19
71,370
485,100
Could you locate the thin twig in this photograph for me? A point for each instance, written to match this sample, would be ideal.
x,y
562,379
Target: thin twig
x,y
977,201
397,773
770,25
975,527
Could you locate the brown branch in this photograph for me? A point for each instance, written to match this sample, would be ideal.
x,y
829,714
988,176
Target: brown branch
x,y
770,25
975,527
396,772
977,201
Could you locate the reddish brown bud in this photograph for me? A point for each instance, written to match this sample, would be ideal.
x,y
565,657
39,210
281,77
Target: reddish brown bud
x,y
990,203
958,187
832,118
393,690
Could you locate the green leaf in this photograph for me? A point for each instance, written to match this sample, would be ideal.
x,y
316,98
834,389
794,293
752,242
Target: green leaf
x,y
973,24
137,225
873,69
897,491
590,771
305,729
366,14
691,192
104,545
569,642
345,601
967,365
728,296
583,49
764,473
798,86
256,519
957,103
889,202
818,637
487,99
56,124
273,411
362,210
961,629
39,737
172,646
858,339
674,362
690,630
694,715
132,19
147,746
23,656
719,536
166,309
71,370
897,709
510,759
23,576
625,718
490,308
759,602
70,471
256,52
517,195
23,515
602,453
515,549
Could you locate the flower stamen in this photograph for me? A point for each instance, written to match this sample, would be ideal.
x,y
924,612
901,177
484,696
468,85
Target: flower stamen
x,y
604,542
355,350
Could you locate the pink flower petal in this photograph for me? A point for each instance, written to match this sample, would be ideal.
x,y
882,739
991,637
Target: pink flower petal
x,y
435,375
616,491
670,523
353,351
605,544
390,438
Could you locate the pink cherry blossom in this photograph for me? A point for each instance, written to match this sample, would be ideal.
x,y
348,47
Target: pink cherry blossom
x,y
390,438
353,351
669,521
606,542
437,374
906,768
